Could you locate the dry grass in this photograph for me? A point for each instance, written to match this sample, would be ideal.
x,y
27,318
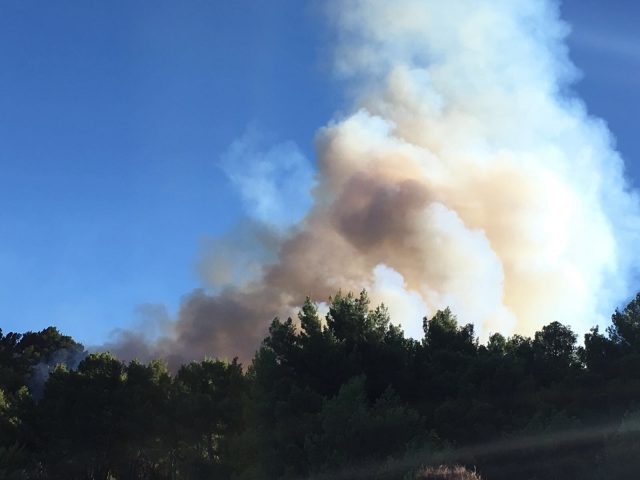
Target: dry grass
x,y
446,473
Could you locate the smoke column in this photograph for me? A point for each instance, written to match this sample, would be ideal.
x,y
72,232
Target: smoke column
x,y
467,175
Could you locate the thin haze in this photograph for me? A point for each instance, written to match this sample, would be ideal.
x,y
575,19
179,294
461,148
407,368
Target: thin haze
x,y
466,174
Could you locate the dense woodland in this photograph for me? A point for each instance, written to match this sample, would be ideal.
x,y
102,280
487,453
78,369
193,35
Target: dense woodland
x,y
346,396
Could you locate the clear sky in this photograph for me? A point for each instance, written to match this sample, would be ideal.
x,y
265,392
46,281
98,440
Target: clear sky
x,y
115,116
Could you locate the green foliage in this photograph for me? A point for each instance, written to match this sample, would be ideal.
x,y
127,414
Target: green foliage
x,y
347,396
13,459
556,343
625,326
348,317
443,333
208,410
26,359
309,320
351,428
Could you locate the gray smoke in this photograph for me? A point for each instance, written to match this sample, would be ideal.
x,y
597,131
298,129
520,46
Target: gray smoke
x,y
69,358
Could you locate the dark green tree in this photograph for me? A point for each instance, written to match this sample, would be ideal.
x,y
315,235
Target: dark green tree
x,y
208,402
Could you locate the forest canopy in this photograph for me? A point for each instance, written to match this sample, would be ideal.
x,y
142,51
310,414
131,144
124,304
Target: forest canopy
x,y
344,396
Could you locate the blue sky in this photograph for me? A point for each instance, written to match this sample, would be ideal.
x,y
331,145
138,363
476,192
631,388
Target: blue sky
x,y
115,116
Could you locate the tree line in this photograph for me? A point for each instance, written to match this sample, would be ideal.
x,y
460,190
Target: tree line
x,y
345,396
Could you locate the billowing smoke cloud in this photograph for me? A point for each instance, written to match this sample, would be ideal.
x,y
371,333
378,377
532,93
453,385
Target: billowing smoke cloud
x,y
467,175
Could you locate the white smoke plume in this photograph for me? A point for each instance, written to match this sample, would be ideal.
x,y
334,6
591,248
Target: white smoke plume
x,y
267,177
467,175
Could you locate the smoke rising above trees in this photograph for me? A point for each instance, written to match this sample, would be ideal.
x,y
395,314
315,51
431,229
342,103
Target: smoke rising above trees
x,y
464,173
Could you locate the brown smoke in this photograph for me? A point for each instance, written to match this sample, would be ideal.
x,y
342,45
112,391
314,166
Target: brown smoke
x,y
465,176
